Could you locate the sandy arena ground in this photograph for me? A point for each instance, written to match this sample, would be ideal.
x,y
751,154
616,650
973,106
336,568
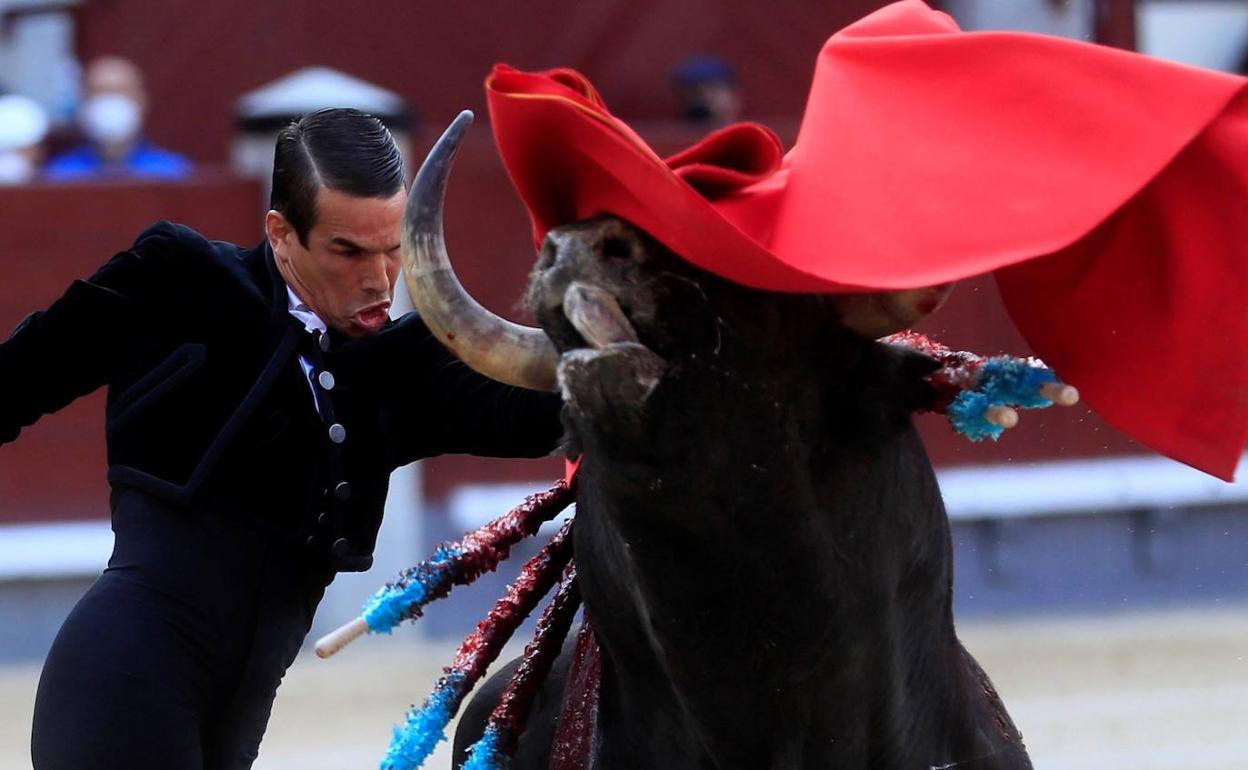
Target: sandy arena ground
x,y
1157,691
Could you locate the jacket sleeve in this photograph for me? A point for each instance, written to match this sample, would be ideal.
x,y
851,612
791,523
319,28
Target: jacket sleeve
x,y
70,349
443,407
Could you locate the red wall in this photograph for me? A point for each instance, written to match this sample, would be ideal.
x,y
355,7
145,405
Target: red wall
x,y
200,56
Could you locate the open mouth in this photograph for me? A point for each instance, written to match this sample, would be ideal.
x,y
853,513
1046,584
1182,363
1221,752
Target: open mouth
x,y
373,317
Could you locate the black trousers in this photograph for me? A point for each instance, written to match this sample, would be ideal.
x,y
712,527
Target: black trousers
x,y
173,658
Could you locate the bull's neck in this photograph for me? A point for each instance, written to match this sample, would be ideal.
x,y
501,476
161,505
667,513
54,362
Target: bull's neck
x,y
761,608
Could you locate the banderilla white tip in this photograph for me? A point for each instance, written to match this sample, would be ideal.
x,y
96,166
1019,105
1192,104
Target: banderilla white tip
x,y
1060,393
1003,416
335,640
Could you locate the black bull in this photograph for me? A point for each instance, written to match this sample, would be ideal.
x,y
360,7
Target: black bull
x,y
760,538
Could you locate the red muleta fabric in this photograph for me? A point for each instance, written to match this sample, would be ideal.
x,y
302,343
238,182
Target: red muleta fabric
x,y
1106,190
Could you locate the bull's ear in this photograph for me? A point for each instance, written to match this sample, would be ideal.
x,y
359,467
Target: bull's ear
x,y
880,314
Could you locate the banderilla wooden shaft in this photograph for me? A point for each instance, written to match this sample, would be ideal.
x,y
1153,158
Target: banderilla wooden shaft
x,y
342,636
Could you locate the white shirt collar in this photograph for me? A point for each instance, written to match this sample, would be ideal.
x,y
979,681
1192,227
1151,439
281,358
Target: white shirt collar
x,y
304,314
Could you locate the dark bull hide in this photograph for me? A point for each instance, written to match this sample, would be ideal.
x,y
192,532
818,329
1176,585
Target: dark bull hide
x,y
759,535
760,539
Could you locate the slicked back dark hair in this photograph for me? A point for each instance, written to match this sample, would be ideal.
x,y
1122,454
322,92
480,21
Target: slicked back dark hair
x,y
338,148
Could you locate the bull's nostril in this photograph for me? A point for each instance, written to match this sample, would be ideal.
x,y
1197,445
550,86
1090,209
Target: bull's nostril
x,y
615,247
546,257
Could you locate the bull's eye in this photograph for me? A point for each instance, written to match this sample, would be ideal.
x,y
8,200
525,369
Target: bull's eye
x,y
615,247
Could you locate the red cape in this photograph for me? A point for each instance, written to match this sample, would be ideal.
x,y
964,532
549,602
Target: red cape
x,y
1108,191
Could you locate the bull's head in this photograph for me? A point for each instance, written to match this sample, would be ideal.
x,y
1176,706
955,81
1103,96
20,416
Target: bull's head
x,y
602,289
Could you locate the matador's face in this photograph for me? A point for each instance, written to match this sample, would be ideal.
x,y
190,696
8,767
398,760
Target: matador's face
x,y
347,270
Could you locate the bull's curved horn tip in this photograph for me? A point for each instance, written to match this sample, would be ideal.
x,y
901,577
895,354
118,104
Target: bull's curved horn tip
x,y
491,345
459,125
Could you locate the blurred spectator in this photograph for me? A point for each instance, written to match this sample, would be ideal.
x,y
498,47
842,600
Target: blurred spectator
x,y
707,89
111,119
23,126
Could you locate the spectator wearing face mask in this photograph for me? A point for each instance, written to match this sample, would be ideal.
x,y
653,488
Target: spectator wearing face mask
x,y
23,126
111,118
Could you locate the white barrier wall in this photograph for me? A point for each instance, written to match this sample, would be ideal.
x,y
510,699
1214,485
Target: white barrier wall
x,y
1206,33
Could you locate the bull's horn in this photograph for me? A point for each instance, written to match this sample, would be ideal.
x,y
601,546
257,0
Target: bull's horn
x,y
880,314
499,349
